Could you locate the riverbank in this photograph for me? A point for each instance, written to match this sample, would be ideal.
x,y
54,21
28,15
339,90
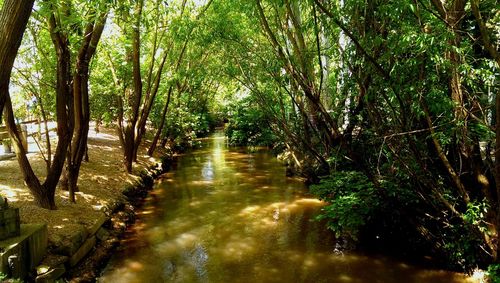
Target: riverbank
x,y
104,189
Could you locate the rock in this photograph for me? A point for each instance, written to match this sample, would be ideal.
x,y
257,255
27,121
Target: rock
x,y
70,244
102,234
82,251
98,224
9,222
113,206
52,260
51,274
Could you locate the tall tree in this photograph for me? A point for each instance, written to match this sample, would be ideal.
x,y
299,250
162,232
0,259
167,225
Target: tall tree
x,y
127,129
81,107
44,193
13,19
72,107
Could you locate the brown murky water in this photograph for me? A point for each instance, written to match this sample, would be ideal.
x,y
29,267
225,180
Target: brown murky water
x,y
224,215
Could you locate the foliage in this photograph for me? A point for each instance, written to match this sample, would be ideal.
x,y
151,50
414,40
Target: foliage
x,y
494,273
352,202
476,214
460,246
186,125
4,278
249,126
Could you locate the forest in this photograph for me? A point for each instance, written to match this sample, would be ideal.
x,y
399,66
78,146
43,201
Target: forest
x,y
389,109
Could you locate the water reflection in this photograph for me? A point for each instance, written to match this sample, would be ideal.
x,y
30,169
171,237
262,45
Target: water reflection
x,y
230,216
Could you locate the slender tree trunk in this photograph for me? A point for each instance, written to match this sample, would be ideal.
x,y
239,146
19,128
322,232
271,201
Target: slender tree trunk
x,y
48,145
81,106
152,148
86,156
164,141
141,126
134,101
43,197
128,147
497,173
14,17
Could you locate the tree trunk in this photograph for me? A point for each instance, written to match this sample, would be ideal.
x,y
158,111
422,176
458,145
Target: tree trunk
x,y
164,141
497,173
81,105
13,19
135,98
141,126
44,196
128,147
152,148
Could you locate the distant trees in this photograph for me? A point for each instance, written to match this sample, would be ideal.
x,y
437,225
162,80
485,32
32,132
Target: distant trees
x,y
142,84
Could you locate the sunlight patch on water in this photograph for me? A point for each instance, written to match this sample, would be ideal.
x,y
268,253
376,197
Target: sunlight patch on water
x,y
266,223
345,278
186,239
309,262
249,210
309,202
238,249
166,249
146,212
195,203
135,266
201,182
479,275
207,172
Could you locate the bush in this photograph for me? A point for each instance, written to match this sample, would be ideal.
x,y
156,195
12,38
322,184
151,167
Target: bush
x,y
494,273
352,202
4,278
248,126
185,125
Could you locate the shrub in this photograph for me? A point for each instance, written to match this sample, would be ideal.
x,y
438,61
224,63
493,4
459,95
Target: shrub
x,y
352,202
249,126
494,273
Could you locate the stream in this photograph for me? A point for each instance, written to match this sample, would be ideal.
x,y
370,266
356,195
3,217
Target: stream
x,y
225,215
